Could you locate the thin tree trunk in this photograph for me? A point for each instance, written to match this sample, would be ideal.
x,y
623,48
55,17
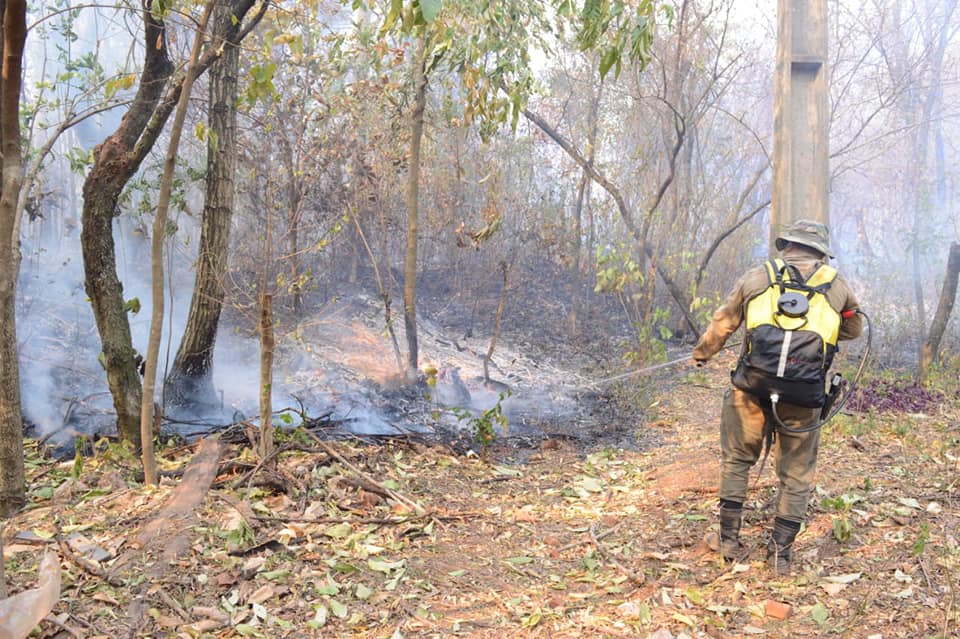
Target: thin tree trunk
x,y
583,192
265,447
384,293
948,295
156,255
12,481
413,201
191,378
496,323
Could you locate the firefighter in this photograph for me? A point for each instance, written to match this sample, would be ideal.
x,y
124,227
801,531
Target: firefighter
x,y
747,417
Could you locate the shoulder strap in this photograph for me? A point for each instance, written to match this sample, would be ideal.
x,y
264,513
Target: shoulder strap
x,y
821,279
776,268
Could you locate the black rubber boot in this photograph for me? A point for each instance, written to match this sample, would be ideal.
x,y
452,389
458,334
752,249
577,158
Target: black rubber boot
x,y
780,546
731,514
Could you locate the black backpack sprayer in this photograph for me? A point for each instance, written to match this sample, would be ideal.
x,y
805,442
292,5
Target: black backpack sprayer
x,y
838,393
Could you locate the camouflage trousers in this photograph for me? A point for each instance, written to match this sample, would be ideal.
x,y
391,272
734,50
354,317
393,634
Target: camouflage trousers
x,y
742,421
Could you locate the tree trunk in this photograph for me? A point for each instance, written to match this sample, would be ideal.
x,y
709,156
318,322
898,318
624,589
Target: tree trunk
x,y
413,198
583,194
12,482
948,295
265,447
115,161
156,254
505,269
191,379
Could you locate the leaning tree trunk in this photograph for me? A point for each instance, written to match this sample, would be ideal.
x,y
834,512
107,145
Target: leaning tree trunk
x,y
156,255
676,292
413,195
191,379
115,162
930,352
12,482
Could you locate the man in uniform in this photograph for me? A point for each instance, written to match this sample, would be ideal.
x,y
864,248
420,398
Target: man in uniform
x,y
745,417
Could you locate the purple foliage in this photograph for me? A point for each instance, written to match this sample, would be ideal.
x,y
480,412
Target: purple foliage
x,y
899,396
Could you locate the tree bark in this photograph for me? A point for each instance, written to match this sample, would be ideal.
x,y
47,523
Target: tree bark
x,y
413,200
191,378
948,295
115,161
12,481
265,446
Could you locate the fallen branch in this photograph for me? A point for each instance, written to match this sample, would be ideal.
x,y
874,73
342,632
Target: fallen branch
x,y
392,494
581,542
167,531
637,579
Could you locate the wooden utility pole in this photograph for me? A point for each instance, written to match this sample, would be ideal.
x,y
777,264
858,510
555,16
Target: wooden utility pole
x,y
800,115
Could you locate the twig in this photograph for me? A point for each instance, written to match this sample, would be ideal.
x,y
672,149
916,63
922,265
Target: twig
x,y
420,510
59,624
926,575
372,520
580,542
3,563
171,603
947,613
84,563
638,580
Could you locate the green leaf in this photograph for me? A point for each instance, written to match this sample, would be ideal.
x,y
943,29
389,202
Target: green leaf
x,y
338,609
820,613
610,58
430,9
339,531
329,588
519,561
363,593
396,8
383,566
695,595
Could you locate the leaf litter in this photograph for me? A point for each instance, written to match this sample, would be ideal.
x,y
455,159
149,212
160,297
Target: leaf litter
x,y
410,540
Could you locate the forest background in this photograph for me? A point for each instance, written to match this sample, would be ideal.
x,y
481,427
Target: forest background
x,y
460,148
465,149
582,178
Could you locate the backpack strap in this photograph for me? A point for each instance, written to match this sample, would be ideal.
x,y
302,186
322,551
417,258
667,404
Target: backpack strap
x,y
822,278
776,268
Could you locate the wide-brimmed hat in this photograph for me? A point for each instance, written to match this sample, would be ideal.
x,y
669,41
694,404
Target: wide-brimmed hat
x,y
806,232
